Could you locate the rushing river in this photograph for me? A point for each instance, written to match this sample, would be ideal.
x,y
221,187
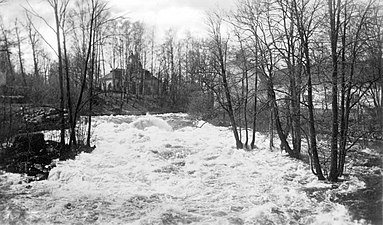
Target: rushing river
x,y
168,169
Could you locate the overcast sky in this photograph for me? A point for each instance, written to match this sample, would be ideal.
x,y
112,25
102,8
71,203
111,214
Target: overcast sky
x,y
180,15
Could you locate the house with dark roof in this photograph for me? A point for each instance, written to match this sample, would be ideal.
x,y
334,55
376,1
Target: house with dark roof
x,y
131,81
112,81
134,79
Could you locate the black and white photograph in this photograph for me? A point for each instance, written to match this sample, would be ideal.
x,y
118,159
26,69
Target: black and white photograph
x,y
200,112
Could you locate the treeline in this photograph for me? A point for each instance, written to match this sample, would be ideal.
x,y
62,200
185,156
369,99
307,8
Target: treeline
x,y
298,69
316,66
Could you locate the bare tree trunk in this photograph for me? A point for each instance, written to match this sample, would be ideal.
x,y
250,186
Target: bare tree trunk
x,y
334,27
252,144
245,107
91,90
342,146
220,54
271,126
346,95
6,47
33,41
85,71
230,110
274,117
72,138
245,88
305,29
313,141
20,54
54,4
296,117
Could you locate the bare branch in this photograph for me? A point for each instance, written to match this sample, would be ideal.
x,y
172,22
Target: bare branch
x,y
38,32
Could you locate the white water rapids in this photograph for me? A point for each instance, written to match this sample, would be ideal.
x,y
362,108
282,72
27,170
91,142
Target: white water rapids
x,y
145,171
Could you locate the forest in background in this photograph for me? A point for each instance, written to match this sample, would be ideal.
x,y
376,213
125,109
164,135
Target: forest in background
x,y
305,71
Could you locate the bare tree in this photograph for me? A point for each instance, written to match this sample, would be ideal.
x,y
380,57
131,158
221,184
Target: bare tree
x,y
20,54
247,19
353,39
72,132
304,13
334,11
219,48
375,50
59,10
33,41
243,64
6,47
95,9
98,8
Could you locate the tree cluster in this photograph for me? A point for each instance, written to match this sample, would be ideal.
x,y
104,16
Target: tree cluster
x,y
293,68
312,64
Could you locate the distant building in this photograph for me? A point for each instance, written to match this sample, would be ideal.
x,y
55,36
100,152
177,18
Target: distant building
x,y
120,80
150,84
112,81
134,79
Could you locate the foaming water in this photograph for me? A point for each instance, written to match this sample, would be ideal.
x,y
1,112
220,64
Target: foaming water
x,y
151,121
142,174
